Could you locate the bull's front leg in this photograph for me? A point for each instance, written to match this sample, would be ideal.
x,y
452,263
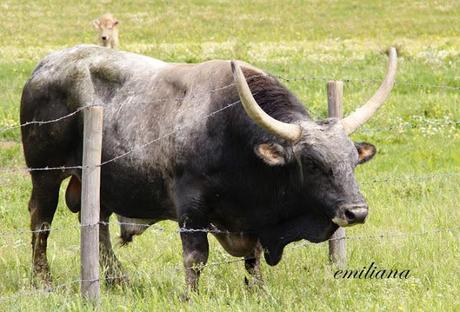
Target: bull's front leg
x,y
192,215
252,265
195,249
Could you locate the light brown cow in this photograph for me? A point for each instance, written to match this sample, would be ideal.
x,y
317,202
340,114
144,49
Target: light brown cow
x,y
107,27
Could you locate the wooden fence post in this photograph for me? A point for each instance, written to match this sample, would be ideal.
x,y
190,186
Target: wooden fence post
x,y
90,207
337,251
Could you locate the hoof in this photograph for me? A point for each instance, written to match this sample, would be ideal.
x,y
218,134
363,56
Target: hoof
x,y
43,282
253,283
185,298
119,279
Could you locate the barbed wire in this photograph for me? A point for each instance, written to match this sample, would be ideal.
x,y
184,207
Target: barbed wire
x,y
368,180
44,122
129,276
176,268
156,100
212,230
393,235
163,136
364,81
281,77
153,226
177,129
411,178
405,124
382,236
35,291
415,121
136,148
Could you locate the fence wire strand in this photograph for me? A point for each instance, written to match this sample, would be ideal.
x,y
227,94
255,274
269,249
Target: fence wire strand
x,y
136,148
157,100
164,136
44,122
210,230
366,81
126,277
280,77
225,261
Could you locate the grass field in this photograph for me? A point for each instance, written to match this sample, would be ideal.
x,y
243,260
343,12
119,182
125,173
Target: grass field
x,y
412,186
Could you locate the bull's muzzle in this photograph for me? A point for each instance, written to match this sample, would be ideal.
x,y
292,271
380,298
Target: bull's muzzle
x,y
351,215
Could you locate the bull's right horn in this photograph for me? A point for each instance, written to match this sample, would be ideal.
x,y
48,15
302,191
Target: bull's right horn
x,y
287,131
365,112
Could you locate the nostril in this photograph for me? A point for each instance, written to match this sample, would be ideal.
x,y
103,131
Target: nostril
x,y
355,215
350,215
104,38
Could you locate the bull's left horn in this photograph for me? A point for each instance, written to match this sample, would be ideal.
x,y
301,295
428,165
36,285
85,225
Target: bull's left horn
x,y
287,131
359,117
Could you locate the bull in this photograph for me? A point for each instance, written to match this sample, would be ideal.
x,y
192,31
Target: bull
x,y
258,175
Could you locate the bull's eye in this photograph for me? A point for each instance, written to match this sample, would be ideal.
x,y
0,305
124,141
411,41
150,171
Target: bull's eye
x,y
317,167
314,168
310,166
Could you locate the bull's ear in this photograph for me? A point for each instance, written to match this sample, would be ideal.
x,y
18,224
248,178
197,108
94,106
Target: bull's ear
x,y
97,24
365,151
272,154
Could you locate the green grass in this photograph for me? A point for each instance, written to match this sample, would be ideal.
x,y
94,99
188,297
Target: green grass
x,y
416,132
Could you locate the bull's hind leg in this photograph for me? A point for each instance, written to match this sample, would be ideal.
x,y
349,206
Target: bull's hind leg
x,y
252,265
111,266
109,263
42,206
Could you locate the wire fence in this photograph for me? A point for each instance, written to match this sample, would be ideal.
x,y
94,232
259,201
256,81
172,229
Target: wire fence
x,y
399,127
369,81
381,179
176,269
213,230
210,115
280,77
127,279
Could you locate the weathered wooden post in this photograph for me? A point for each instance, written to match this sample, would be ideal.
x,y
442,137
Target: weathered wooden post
x,y
90,208
337,251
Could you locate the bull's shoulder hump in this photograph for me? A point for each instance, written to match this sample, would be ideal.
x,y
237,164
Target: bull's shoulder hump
x,y
207,75
219,70
251,67
225,65
146,61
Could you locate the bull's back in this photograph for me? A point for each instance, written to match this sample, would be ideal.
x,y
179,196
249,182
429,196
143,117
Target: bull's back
x,y
64,82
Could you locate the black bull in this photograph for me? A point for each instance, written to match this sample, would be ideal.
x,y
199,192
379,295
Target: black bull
x,y
262,167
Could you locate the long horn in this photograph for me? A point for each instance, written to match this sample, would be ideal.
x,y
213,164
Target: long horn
x,y
356,119
287,131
